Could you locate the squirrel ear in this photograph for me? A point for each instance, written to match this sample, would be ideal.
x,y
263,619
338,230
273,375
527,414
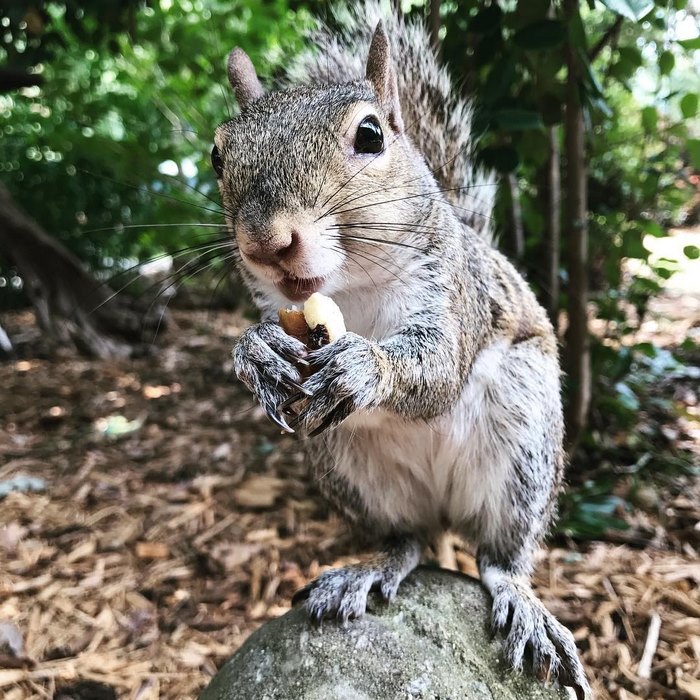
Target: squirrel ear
x,y
243,78
380,72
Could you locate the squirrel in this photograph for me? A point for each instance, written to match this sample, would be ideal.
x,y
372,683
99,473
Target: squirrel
x,y
440,407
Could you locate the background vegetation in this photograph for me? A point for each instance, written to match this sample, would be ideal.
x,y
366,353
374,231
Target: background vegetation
x,y
587,113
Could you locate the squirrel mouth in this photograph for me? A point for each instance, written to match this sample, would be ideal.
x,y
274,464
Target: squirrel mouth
x,y
299,288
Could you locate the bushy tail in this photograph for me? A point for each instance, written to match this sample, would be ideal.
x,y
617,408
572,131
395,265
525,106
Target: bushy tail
x,y
437,119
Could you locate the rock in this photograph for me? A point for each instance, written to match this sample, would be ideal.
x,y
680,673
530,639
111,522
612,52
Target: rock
x,y
432,643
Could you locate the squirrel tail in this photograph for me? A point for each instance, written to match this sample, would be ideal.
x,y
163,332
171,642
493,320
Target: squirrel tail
x,y
437,118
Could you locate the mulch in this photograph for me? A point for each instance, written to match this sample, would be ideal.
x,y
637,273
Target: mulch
x,y
175,520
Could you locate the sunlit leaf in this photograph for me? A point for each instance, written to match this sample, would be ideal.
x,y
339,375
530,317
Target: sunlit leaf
x,y
690,44
653,229
631,9
689,105
666,62
650,119
693,146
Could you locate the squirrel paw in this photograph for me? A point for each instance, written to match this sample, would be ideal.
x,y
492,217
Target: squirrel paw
x,y
342,593
347,381
527,623
263,360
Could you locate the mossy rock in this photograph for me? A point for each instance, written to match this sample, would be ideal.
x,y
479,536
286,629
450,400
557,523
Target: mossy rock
x,y
432,642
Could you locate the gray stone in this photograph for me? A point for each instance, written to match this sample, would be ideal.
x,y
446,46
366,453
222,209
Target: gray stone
x,y
431,643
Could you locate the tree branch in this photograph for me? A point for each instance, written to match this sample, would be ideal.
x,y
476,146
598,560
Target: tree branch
x,y
610,35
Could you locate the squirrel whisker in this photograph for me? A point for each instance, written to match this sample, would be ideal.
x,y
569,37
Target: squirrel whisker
x,y
414,196
174,255
381,224
407,127
371,258
352,255
381,241
206,250
400,185
177,283
131,226
162,195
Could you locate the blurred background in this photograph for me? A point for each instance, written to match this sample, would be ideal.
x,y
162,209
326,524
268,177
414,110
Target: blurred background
x,y
128,457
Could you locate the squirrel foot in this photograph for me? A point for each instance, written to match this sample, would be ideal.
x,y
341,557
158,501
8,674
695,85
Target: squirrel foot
x,y
525,621
266,360
342,593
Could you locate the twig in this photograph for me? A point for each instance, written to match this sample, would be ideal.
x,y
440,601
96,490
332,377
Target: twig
x,y
445,552
644,668
608,37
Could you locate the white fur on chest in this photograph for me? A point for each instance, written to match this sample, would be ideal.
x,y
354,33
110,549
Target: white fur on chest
x,y
434,474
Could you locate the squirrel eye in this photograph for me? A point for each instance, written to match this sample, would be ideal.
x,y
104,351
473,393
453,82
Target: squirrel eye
x,y
369,137
216,161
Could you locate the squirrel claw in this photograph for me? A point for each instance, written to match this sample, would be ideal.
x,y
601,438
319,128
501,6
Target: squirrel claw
x,y
287,403
526,622
300,388
279,421
337,415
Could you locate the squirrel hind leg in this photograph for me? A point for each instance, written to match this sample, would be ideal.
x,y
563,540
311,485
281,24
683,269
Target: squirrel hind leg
x,y
342,593
529,627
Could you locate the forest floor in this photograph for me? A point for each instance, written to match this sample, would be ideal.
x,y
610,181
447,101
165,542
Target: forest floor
x,y
171,519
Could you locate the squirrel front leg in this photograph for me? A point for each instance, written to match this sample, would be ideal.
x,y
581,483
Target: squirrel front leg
x,y
267,361
416,373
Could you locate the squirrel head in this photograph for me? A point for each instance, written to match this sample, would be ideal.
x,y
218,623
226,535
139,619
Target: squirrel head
x,y
313,177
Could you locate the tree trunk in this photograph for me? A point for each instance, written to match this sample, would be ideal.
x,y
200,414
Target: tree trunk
x,y
550,203
577,357
515,214
70,305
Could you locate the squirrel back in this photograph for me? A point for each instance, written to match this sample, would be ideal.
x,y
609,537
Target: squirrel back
x,y
436,116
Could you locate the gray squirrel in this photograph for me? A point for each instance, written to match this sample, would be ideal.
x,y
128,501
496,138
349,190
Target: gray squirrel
x,y
440,408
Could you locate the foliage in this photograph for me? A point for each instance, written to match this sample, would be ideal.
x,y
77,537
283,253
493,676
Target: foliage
x,y
639,91
119,109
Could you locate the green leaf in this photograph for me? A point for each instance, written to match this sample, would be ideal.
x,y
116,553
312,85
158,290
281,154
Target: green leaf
x,y
692,252
590,78
632,245
693,146
666,62
631,55
530,11
650,118
627,397
653,229
689,105
541,35
518,119
505,159
690,44
631,9
486,21
500,79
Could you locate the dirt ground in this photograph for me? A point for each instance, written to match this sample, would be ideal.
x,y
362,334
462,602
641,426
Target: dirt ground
x,y
173,519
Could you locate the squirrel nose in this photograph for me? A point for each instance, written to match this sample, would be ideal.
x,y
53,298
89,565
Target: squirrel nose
x,y
274,249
